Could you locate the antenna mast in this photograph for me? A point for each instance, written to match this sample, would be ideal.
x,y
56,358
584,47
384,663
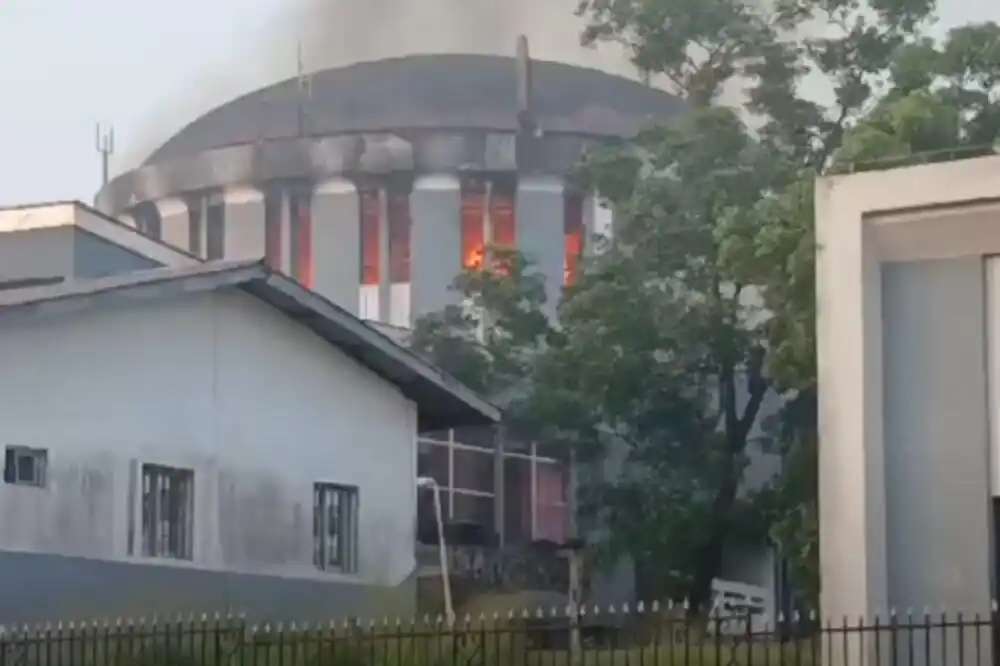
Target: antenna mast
x,y
304,83
104,141
528,130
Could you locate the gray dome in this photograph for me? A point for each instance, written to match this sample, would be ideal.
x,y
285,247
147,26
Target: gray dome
x,y
429,92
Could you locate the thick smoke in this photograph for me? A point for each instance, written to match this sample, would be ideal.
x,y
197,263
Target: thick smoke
x,y
340,32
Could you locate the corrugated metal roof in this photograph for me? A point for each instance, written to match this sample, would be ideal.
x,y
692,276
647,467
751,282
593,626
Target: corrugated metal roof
x,y
442,401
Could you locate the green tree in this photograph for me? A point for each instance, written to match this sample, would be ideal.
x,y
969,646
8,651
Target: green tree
x,y
704,300
708,287
490,339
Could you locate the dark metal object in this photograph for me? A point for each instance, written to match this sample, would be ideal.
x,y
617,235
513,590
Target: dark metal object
x,y
640,636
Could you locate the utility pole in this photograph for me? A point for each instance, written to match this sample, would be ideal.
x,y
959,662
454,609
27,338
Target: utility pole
x,y
304,83
105,144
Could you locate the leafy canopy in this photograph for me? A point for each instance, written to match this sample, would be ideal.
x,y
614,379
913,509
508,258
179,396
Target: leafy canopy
x,y
687,346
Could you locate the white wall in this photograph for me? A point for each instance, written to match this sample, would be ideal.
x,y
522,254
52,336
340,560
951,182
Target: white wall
x,y
259,407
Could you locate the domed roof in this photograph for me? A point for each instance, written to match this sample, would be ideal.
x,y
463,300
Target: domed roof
x,y
429,92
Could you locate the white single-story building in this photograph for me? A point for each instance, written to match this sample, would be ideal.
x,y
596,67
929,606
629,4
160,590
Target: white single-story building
x,y
214,436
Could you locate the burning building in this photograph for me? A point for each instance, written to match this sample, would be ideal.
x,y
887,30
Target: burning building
x,y
375,183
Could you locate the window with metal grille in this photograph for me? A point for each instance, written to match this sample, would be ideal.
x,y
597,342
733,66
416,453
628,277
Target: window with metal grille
x,y
167,512
24,466
335,527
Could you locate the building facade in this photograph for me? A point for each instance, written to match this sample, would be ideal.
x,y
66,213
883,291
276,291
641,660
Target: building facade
x,y
150,467
375,184
908,288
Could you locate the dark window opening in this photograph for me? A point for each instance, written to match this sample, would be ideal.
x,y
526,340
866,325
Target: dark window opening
x,y
574,237
400,225
25,466
473,217
370,250
273,199
147,219
215,229
300,236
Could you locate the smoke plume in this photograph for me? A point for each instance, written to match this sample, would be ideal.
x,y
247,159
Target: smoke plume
x,y
339,32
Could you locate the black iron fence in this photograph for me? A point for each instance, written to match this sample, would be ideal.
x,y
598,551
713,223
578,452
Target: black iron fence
x,y
538,638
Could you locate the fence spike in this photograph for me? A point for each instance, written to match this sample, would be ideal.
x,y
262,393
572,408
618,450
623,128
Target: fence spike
x,y
639,607
554,612
655,606
625,608
994,606
291,626
70,625
539,612
670,604
812,614
510,614
795,616
254,629
611,609
583,610
496,616
892,611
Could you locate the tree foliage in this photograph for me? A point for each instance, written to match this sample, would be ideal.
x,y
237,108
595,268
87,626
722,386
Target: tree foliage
x,y
822,85
490,338
701,308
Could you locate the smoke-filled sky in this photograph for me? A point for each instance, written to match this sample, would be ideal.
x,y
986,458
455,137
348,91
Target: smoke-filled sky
x,y
149,68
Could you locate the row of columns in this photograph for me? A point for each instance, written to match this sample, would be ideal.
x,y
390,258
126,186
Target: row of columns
x,y
335,238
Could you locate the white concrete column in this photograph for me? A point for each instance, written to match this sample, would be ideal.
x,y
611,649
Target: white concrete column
x,y
336,236
174,222
244,236
539,219
435,242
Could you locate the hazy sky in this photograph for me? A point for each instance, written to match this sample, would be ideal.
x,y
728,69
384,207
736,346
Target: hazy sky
x,y
147,68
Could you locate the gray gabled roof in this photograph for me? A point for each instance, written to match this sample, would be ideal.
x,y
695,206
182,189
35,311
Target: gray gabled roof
x,y
442,401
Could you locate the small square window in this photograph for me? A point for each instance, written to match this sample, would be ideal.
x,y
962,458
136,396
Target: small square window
x,y
25,466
